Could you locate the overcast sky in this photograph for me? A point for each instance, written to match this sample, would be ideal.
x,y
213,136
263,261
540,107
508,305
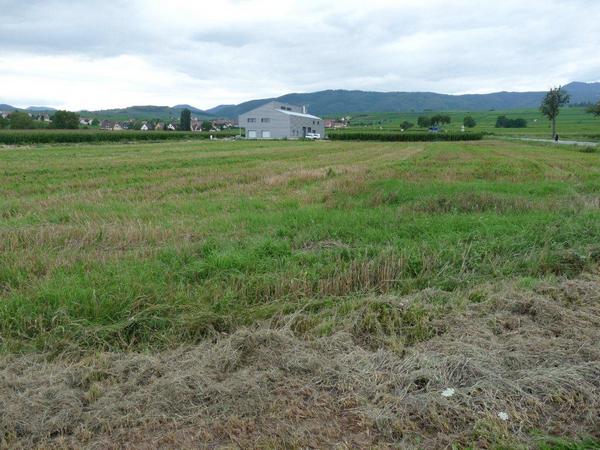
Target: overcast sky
x,y
102,54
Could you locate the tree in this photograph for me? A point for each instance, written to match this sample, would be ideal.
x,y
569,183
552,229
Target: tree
x,y
469,122
95,122
406,125
519,123
4,122
65,120
554,99
206,125
440,119
20,120
424,122
185,121
595,109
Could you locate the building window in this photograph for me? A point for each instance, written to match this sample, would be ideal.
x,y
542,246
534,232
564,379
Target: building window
x,y
251,119
265,120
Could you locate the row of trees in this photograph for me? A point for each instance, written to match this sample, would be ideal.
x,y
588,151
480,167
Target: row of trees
x,y
66,120
20,120
426,122
438,119
595,109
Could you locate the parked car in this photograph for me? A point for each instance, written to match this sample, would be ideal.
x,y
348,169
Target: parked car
x,y
313,136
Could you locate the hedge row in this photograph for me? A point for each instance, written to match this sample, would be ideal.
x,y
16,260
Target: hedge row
x,y
405,137
15,137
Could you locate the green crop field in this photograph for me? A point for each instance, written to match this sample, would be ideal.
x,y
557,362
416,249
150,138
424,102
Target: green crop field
x,y
246,294
572,123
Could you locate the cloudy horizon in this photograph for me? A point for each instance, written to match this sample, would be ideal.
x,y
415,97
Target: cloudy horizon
x,y
97,55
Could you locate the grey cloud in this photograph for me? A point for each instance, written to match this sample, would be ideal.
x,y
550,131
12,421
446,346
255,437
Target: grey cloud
x,y
392,46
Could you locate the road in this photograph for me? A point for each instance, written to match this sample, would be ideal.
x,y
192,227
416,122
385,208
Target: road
x,y
564,142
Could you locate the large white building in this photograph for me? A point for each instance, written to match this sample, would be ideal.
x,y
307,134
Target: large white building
x,y
277,120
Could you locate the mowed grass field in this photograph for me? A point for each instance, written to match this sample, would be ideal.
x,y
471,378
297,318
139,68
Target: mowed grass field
x,y
572,123
289,294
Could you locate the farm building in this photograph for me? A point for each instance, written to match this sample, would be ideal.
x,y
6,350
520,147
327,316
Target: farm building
x,y
277,120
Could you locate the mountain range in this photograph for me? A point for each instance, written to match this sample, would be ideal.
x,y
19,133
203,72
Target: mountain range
x,y
5,107
337,102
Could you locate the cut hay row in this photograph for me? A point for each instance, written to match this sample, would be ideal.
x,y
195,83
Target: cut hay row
x,y
503,367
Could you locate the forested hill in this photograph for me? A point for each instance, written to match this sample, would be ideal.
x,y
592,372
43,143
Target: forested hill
x,y
332,102
336,102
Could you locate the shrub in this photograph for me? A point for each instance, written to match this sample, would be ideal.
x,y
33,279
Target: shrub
x,y
505,122
469,122
424,122
405,137
406,125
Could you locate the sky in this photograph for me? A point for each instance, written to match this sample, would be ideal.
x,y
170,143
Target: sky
x,y
90,54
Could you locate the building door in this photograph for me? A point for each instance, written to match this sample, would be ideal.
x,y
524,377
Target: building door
x,y
303,131
251,134
266,134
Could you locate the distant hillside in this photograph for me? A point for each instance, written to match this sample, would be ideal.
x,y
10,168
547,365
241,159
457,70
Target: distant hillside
x,y
584,92
336,102
146,112
32,109
40,109
333,102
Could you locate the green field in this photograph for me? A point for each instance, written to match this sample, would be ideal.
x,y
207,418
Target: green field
x,y
243,294
572,123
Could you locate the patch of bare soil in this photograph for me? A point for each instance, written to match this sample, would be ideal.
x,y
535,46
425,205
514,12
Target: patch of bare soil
x,y
514,363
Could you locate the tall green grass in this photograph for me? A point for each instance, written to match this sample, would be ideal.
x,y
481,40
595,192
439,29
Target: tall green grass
x,y
149,245
16,137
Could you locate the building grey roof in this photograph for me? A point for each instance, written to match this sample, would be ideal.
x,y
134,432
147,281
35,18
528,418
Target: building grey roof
x,y
297,114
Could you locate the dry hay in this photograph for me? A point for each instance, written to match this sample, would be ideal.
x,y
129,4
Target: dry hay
x,y
533,355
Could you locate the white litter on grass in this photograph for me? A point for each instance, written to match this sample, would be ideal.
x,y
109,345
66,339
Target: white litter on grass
x,y
449,392
503,415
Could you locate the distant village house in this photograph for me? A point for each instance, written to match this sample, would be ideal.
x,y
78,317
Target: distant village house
x,y
111,125
336,123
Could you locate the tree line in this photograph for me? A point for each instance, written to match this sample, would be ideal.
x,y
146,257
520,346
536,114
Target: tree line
x,y
60,120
